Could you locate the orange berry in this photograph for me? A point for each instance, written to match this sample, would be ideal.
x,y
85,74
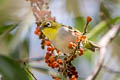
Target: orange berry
x,y
39,33
73,79
56,78
47,55
83,37
49,64
47,43
60,61
55,64
58,51
52,48
74,45
36,32
70,45
49,49
51,59
79,38
88,19
81,50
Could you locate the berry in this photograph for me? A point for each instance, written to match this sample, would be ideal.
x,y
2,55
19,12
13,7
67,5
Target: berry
x,y
48,49
71,45
55,64
47,43
52,48
88,19
51,59
60,61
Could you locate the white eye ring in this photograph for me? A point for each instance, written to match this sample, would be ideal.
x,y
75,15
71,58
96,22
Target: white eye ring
x,y
48,24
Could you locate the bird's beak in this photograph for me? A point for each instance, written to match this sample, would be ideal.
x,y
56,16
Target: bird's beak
x,y
41,27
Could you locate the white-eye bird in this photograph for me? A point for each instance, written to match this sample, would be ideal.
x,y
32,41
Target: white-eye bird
x,y
60,36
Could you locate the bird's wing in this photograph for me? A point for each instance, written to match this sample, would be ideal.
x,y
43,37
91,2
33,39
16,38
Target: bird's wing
x,y
71,29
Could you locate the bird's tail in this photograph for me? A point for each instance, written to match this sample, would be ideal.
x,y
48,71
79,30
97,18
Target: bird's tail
x,y
90,45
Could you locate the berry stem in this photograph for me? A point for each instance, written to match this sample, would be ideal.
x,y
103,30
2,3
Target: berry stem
x,y
88,19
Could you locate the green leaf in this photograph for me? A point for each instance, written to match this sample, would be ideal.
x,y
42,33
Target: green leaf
x,y
101,28
12,70
2,2
79,23
115,20
7,28
97,30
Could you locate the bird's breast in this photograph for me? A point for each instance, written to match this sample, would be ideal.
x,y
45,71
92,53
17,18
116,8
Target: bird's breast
x,y
62,40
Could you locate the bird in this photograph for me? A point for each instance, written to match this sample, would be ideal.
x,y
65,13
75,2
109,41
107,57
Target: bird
x,y
60,35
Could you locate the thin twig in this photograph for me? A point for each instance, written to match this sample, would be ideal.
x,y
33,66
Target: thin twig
x,y
85,28
111,70
103,42
88,19
31,59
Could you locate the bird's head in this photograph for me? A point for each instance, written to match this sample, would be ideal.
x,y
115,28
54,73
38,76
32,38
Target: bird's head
x,y
50,28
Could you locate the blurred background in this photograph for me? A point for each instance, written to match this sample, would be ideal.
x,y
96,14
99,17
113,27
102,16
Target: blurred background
x,y
18,41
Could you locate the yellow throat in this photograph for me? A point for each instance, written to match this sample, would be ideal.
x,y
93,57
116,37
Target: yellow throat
x,y
51,33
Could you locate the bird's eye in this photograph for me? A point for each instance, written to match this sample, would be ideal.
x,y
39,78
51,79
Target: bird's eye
x,y
48,24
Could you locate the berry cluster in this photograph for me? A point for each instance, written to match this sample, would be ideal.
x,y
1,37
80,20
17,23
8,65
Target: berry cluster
x,y
70,70
52,60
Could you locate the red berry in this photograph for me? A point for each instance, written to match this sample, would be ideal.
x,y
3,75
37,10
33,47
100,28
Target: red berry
x,y
70,45
49,49
60,61
39,33
56,78
52,48
51,59
81,50
88,18
48,54
36,32
55,64
47,43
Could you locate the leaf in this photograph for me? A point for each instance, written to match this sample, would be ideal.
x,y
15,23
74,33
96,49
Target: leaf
x,y
6,28
97,30
115,20
2,1
12,70
79,23
101,28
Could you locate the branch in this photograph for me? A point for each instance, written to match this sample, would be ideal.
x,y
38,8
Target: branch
x,y
31,59
111,70
103,43
88,19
